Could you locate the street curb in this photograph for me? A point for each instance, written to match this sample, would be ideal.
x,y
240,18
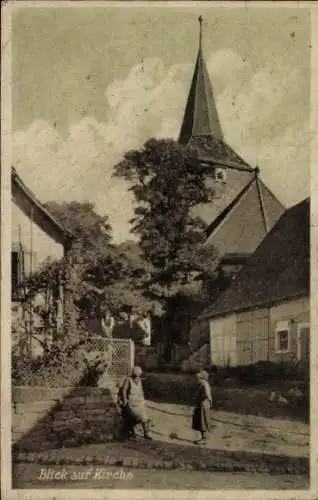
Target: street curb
x,y
218,466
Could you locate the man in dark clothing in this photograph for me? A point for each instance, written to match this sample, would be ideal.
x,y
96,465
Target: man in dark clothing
x,y
132,403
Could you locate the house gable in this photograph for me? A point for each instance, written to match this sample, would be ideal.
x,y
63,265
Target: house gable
x,y
25,200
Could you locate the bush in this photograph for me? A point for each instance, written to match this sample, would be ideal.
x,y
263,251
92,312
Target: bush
x,y
62,366
262,372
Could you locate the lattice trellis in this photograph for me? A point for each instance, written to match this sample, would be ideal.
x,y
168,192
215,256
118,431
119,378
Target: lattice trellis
x,y
118,354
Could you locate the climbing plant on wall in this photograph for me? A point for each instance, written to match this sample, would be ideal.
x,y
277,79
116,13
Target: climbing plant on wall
x,y
42,304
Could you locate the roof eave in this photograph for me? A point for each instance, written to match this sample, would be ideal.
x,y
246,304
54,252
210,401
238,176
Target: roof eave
x,y
257,305
61,235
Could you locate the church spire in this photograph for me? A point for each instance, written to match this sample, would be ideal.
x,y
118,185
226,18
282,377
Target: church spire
x,y
201,116
200,18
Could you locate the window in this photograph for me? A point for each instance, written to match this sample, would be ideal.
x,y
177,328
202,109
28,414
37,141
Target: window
x,y
282,340
282,337
17,266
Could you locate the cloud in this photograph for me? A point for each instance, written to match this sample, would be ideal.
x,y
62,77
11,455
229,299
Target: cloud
x,y
231,75
76,167
150,102
285,162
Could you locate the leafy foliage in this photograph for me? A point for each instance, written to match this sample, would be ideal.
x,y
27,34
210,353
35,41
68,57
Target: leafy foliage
x,y
50,274
89,228
108,276
41,292
168,183
62,366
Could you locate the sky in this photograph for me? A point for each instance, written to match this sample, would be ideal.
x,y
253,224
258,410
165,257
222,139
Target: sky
x,y
91,83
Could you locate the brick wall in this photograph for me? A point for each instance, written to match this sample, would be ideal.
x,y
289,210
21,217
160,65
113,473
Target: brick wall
x,y
45,418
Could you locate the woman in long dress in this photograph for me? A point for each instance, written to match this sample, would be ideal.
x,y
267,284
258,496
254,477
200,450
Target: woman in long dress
x,y
203,402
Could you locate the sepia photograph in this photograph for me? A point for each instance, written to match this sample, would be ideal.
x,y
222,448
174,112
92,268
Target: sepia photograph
x,y
160,202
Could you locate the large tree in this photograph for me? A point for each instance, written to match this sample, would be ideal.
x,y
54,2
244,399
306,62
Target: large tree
x,y
168,183
90,229
109,276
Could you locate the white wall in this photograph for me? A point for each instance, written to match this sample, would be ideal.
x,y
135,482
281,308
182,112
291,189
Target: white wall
x,y
223,341
43,246
249,337
296,310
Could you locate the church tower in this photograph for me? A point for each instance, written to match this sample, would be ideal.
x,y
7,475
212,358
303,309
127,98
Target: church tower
x,y
201,127
244,209
201,117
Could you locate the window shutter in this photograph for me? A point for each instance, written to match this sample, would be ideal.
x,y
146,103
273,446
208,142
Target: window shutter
x,y
17,272
15,275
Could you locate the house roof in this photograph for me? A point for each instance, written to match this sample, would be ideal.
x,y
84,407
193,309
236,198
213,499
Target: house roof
x,y
228,209
278,269
226,164
254,201
26,201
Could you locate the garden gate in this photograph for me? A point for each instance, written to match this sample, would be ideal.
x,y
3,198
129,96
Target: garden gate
x,y
117,354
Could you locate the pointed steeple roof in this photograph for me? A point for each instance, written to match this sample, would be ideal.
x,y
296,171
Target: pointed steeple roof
x,y
201,116
201,126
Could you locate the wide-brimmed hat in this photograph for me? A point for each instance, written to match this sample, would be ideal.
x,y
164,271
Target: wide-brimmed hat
x,y
202,374
136,371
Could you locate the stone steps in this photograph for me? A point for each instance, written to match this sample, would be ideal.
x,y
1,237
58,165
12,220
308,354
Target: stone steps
x,y
71,416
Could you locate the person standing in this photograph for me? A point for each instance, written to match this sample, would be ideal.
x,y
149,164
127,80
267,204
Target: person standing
x,y
107,323
132,403
203,402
